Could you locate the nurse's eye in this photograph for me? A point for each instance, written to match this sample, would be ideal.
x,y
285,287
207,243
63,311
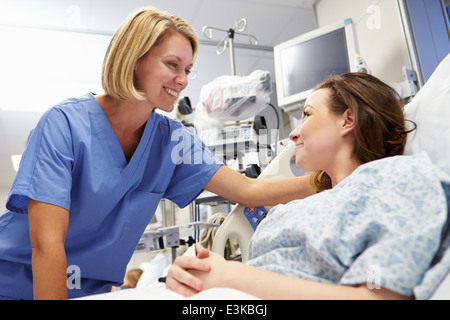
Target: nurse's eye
x,y
173,65
187,71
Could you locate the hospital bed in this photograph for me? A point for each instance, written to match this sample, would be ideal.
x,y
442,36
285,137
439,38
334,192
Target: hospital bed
x,y
237,225
430,110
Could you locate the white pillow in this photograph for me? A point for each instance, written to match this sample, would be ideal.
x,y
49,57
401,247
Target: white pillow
x,y
430,110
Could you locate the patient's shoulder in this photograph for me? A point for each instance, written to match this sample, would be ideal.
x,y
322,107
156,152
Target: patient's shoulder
x,y
405,174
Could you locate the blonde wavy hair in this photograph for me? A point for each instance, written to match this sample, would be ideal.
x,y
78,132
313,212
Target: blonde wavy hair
x,y
142,30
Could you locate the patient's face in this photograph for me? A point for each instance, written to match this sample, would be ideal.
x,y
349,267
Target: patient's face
x,y
317,137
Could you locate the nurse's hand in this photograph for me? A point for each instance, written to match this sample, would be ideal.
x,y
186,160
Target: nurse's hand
x,y
180,280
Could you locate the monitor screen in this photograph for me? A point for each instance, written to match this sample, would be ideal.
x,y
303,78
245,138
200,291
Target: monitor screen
x,y
303,62
309,63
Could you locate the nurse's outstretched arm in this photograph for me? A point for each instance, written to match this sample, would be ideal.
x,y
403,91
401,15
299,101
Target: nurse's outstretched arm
x,y
48,229
236,187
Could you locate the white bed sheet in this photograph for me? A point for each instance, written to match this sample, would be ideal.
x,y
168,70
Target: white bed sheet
x,y
162,293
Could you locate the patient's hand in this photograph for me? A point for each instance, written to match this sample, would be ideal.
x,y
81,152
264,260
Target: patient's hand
x,y
180,280
213,278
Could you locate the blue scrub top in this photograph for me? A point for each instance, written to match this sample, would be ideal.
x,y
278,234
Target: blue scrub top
x,y
74,160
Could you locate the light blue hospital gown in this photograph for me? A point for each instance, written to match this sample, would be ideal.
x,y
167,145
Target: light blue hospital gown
x,y
381,226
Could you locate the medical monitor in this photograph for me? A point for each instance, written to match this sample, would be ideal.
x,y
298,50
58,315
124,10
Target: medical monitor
x,y
303,62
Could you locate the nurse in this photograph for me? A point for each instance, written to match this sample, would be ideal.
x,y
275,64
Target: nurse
x,y
96,167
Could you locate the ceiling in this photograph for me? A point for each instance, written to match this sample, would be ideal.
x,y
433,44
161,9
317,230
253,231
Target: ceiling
x,y
37,71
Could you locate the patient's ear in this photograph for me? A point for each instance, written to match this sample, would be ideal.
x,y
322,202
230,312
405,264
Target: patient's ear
x,y
348,122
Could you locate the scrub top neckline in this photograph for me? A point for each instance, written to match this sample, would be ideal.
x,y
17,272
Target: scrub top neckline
x,y
127,167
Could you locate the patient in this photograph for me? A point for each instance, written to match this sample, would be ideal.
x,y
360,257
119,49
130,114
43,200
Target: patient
x,y
372,227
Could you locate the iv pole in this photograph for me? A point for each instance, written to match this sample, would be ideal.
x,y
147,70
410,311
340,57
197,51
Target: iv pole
x,y
229,39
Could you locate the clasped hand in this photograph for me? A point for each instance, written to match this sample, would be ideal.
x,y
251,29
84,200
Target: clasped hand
x,y
190,275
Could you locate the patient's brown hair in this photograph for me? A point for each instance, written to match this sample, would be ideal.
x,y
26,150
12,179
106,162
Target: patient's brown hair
x,y
380,129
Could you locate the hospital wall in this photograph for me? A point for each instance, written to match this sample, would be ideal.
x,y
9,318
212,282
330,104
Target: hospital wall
x,y
379,32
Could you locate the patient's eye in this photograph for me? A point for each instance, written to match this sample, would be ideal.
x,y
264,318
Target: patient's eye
x,y
306,114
